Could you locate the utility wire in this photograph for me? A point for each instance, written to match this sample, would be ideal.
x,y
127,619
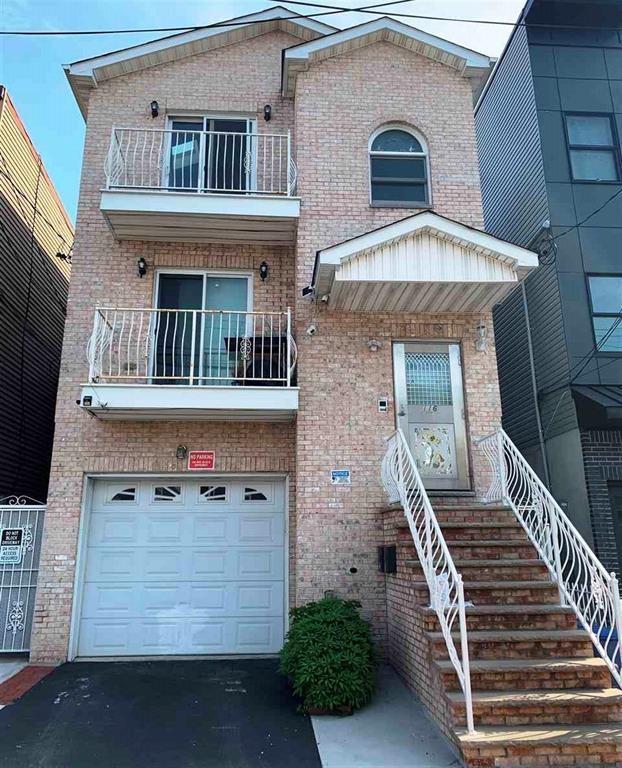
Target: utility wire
x,y
333,10
587,218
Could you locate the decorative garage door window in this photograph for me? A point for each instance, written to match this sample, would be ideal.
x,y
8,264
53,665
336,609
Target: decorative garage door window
x,y
428,379
167,493
213,493
253,494
127,494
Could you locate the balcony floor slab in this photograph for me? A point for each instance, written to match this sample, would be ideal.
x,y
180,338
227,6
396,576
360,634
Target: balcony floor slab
x,y
166,402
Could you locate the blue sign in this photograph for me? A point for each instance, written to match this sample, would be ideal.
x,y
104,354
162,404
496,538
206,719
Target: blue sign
x,y
340,477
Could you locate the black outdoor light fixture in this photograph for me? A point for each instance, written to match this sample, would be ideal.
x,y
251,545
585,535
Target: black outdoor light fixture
x,y
267,113
263,270
142,267
155,108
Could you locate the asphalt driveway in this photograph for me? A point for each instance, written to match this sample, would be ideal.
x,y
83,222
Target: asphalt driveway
x,y
158,714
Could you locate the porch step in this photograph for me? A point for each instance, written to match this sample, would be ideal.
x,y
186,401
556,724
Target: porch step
x,y
506,617
530,674
510,531
596,705
503,549
488,570
542,746
501,592
471,514
516,644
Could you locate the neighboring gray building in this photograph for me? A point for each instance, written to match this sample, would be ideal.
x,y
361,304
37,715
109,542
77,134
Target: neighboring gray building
x,y
549,125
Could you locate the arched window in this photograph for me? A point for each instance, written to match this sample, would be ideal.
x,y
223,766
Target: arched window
x,y
398,167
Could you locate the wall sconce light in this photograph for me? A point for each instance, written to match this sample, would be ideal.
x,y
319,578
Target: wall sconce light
x,y
263,270
267,113
155,108
374,345
481,343
181,452
142,267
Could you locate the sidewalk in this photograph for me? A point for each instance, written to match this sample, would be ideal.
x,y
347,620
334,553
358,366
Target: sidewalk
x,y
392,732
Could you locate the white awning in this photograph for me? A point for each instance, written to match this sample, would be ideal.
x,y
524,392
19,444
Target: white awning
x,y
425,263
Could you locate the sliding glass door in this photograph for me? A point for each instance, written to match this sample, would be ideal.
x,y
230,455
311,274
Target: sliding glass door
x,y
210,154
198,347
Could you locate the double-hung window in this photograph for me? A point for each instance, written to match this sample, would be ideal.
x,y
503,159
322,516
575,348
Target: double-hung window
x,y
593,147
606,303
398,166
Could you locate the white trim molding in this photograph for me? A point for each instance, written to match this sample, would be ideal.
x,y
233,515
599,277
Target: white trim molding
x,y
471,64
424,263
84,75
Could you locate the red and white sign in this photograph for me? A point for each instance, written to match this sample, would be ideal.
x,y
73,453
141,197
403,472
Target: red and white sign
x,y
201,460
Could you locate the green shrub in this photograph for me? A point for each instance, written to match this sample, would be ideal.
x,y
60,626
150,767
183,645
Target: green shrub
x,y
329,656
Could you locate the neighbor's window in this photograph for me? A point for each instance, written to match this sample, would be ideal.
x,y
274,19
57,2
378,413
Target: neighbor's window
x,y
398,169
593,148
606,298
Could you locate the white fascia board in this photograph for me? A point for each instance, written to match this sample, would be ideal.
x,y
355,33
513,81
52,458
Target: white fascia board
x,y
473,62
194,203
519,257
149,397
90,66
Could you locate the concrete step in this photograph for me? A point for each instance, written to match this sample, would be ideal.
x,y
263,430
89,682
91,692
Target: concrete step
x,y
552,707
516,644
541,746
506,617
500,592
529,674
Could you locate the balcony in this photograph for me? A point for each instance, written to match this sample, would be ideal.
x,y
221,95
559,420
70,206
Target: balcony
x,y
156,364
200,186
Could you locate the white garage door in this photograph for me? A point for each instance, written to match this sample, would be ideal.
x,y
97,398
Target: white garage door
x,y
184,567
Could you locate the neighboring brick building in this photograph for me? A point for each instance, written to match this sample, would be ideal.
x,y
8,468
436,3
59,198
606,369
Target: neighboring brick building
x,y
279,264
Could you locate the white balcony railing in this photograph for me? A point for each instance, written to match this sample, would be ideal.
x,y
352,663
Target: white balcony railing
x,y
582,580
403,483
191,347
201,161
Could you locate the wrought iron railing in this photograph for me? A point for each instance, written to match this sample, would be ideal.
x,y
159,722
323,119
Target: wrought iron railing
x,y
403,483
582,580
192,347
201,161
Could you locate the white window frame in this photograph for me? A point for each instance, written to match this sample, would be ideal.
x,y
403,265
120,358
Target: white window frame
x,y
251,123
424,154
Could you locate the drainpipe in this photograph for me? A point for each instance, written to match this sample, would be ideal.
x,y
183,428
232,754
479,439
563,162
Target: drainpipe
x,y
534,386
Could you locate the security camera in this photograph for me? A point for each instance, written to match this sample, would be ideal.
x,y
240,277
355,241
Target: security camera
x,y
308,290
325,298
312,330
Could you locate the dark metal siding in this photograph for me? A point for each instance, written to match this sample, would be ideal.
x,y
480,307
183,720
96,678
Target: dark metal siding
x,y
512,173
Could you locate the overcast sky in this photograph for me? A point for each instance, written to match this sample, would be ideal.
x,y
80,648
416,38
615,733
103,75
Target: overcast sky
x,y
31,68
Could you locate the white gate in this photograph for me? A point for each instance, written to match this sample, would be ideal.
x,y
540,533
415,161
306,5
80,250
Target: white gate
x,y
21,532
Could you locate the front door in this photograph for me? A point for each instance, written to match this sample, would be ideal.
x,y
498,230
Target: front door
x,y
430,411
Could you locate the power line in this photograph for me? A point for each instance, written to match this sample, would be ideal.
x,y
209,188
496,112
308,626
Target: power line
x,y
587,218
332,10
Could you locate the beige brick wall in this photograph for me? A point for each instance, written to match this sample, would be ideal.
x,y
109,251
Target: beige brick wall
x,y
339,103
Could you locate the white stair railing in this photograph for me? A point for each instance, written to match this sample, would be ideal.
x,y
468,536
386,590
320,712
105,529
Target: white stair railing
x,y
582,580
402,483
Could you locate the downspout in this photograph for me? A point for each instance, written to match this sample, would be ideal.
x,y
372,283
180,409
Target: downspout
x,y
534,387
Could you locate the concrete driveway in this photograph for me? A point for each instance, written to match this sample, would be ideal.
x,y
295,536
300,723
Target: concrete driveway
x,y
160,714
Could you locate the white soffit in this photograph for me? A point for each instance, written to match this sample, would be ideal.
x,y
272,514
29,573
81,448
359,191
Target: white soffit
x,y
425,263
467,62
84,75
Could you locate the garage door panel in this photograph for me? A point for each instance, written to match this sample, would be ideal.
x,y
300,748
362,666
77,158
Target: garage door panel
x,y
182,600
187,573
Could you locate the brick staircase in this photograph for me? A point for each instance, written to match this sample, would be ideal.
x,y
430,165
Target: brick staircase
x,y
540,696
